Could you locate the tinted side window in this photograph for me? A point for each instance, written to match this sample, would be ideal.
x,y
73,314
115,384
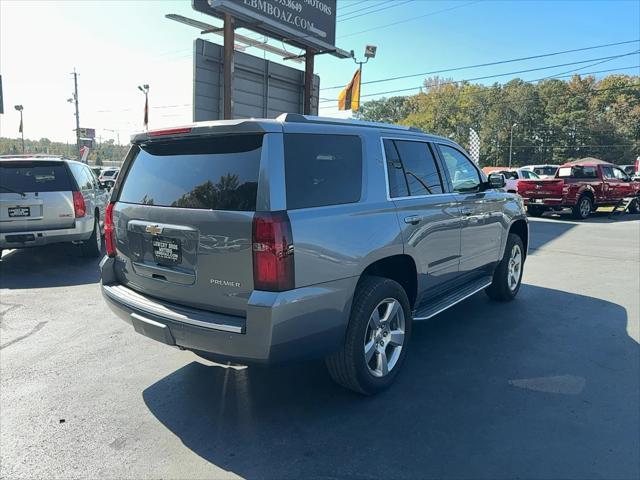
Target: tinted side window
x,y
82,178
464,175
93,182
322,169
607,172
216,173
419,168
397,182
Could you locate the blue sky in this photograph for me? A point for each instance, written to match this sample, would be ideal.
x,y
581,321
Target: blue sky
x,y
117,45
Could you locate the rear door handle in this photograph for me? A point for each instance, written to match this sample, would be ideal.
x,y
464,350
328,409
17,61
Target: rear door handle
x,y
466,211
412,219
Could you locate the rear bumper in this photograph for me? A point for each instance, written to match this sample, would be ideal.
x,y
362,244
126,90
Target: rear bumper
x,y
549,202
279,326
35,238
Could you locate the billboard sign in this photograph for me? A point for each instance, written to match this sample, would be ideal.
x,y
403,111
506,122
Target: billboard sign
x,y
302,23
262,89
87,133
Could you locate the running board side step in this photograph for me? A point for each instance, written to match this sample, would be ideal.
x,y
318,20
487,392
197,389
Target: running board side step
x,y
436,305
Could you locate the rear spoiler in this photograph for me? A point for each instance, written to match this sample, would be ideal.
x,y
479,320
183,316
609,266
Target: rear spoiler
x,y
202,129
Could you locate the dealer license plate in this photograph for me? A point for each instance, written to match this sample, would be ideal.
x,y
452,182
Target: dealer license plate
x,y
167,250
19,212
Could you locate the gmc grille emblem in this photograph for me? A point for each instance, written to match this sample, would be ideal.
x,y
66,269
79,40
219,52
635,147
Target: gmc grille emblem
x,y
153,229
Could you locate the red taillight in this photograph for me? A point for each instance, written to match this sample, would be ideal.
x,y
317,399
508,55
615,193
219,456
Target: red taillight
x,y
79,207
169,131
109,231
273,267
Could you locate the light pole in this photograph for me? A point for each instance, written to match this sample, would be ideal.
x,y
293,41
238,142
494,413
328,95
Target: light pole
x,y
145,89
511,143
20,108
369,52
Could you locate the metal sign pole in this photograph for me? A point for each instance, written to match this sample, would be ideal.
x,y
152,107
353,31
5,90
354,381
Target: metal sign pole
x,y
308,80
228,67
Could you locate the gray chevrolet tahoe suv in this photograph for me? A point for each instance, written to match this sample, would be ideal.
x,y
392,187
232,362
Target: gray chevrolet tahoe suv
x,y
270,240
46,199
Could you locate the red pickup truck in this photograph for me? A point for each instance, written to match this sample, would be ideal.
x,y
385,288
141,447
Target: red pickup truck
x,y
582,187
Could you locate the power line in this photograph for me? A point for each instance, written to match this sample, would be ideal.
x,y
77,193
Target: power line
x,y
489,64
363,9
182,105
409,19
597,91
485,77
601,145
582,68
395,4
352,5
557,77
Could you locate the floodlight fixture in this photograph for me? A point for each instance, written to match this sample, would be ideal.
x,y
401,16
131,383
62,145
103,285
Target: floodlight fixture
x,y
370,51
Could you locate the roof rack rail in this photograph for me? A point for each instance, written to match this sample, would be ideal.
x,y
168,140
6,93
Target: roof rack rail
x,y
31,155
299,118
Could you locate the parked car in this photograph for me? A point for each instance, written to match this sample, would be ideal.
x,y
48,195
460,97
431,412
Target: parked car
x,y
109,176
514,175
543,171
50,200
631,171
273,240
582,187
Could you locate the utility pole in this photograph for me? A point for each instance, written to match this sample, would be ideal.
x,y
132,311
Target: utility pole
x,y
228,67
308,80
145,89
75,101
511,143
20,108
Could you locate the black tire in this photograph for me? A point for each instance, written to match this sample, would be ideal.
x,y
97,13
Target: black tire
x,y
500,288
92,247
348,366
634,207
535,211
581,210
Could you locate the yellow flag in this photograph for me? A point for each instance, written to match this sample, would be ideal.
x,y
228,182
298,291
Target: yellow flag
x,y
349,98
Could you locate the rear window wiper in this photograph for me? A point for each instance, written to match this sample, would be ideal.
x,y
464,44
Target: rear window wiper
x,y
13,191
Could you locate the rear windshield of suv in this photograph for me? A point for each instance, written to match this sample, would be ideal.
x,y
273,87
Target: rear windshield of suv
x,y
322,169
214,173
37,176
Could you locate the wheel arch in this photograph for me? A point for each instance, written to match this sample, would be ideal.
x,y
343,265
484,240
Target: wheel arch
x,y
520,227
400,268
586,190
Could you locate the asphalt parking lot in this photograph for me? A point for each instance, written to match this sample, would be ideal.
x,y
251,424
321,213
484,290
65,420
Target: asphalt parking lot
x,y
547,386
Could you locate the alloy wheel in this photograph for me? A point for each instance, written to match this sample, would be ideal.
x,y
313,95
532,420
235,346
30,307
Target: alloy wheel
x,y
585,207
384,337
97,234
514,270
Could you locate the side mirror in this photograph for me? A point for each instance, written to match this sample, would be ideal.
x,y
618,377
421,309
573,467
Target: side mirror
x,y
103,186
496,180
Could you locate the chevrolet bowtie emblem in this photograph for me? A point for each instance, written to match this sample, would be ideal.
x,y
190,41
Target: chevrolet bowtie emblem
x,y
153,229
